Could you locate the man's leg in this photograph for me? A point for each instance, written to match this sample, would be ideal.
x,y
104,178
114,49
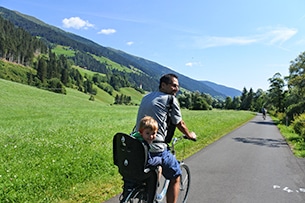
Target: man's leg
x,y
173,190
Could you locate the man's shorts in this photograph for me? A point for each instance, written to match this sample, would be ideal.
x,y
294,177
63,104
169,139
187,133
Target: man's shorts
x,y
170,165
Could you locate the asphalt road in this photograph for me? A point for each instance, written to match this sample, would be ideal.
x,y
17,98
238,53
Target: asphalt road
x,y
251,164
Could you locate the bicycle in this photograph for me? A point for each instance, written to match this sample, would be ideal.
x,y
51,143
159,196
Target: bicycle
x,y
185,178
135,177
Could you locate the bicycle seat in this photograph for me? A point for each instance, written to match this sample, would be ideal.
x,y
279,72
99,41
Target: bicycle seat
x,y
130,155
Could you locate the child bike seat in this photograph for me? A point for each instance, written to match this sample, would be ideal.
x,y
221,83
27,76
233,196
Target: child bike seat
x,y
130,155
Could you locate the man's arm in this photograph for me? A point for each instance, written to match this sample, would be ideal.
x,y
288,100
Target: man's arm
x,y
183,128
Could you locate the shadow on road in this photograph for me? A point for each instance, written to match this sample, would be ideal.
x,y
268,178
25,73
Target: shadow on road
x,y
261,141
263,122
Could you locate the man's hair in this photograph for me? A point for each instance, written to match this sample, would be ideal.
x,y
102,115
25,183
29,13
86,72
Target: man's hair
x,y
148,122
167,79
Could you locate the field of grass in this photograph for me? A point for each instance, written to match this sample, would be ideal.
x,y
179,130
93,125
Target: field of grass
x,y
58,148
114,65
63,50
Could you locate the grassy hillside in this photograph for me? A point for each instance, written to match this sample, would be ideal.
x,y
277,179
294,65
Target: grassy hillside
x,y
63,50
18,73
14,72
135,95
58,148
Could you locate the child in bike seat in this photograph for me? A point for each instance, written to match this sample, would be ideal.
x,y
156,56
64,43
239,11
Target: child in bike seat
x,y
147,132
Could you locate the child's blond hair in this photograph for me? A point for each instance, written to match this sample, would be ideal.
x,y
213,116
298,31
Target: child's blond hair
x,y
148,122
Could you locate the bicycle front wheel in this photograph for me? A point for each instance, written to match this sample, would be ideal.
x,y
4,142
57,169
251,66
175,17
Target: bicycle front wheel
x,y
185,181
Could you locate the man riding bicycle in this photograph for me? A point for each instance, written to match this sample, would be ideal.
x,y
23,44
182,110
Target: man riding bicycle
x,y
155,104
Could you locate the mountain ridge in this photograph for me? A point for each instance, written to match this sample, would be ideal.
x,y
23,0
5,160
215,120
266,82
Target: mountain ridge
x,y
150,69
231,92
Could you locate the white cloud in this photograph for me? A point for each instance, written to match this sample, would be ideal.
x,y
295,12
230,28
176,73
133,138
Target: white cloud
x,y
191,64
76,22
271,36
107,31
278,35
206,42
130,43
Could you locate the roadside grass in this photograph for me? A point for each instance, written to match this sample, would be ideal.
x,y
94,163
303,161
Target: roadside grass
x,y
58,148
295,141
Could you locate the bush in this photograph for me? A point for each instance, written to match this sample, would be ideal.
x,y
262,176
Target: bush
x,y
55,85
295,110
282,118
299,125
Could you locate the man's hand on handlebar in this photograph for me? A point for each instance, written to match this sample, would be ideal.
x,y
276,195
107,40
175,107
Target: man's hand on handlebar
x,y
192,136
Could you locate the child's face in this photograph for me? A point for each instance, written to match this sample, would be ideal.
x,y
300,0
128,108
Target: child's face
x,y
148,135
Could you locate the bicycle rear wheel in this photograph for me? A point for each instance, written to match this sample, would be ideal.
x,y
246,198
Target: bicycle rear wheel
x,y
185,181
136,196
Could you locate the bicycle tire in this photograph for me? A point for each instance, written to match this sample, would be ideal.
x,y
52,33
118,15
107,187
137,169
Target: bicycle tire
x,y
136,196
185,181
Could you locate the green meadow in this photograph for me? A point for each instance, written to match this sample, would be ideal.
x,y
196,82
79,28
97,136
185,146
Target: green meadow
x,y
58,148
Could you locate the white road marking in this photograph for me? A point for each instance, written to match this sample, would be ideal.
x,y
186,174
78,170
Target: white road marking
x,y
287,189
276,186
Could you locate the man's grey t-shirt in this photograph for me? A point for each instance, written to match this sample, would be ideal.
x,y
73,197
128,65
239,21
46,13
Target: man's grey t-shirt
x,y
155,104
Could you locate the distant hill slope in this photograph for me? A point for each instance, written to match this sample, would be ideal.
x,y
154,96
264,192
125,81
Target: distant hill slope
x,y
157,70
228,91
150,71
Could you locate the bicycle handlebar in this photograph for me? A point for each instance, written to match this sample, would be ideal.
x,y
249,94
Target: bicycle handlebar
x,y
175,139
193,139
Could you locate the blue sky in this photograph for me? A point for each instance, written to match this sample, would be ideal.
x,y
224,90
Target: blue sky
x,y
236,43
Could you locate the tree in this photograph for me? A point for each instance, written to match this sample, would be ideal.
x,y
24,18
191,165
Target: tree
x,y
42,69
243,98
198,102
296,78
55,85
295,96
185,100
236,103
260,100
250,99
228,103
276,92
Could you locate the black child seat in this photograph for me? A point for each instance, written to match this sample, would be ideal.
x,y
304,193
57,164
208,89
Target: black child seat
x,y
130,155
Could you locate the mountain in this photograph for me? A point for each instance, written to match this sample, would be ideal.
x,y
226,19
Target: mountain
x,y
148,73
158,70
228,91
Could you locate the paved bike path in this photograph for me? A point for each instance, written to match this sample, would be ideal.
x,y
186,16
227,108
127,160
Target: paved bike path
x,y
251,164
